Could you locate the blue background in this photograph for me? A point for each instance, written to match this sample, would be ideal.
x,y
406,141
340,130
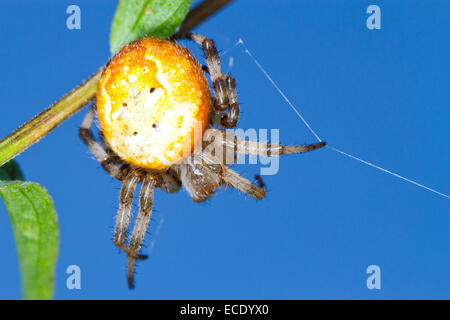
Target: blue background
x,y
379,94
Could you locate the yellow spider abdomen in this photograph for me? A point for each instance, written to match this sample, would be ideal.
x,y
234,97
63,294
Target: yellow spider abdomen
x,y
152,98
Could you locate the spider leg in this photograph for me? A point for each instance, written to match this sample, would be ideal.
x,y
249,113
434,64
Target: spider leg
x,y
237,181
225,107
96,148
124,212
232,178
145,210
218,142
227,140
109,150
168,182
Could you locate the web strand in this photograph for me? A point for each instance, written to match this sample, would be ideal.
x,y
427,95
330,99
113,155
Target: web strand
x,y
278,88
387,171
266,74
155,235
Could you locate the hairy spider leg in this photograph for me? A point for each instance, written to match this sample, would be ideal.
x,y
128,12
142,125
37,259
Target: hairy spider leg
x,y
225,105
145,210
105,159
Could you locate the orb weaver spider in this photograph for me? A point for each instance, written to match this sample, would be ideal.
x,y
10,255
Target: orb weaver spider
x,y
152,98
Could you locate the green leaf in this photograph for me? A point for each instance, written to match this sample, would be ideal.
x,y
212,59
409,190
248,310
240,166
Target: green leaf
x,y
35,226
135,19
11,171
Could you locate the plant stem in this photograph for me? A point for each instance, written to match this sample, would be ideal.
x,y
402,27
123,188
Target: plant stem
x,y
38,127
42,124
199,14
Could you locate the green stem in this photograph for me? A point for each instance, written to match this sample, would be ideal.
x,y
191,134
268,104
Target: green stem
x,y
32,131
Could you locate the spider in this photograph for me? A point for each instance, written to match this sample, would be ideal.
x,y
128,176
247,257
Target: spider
x,y
160,126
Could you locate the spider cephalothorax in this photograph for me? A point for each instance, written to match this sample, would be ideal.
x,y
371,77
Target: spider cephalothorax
x,y
159,126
